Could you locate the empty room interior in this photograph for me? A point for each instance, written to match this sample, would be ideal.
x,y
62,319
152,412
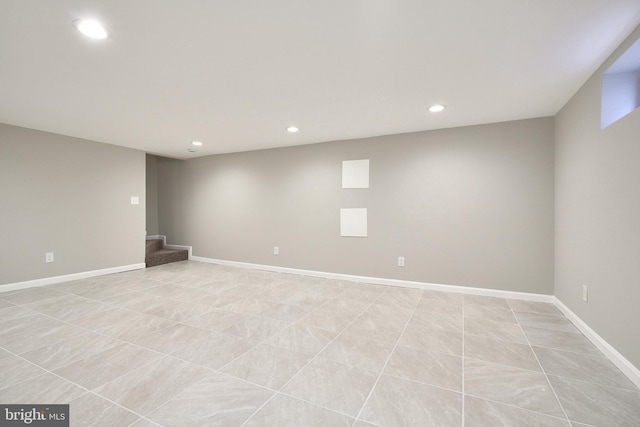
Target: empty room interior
x,y
363,214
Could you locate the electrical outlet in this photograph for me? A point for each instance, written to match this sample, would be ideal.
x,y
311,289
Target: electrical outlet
x,y
276,250
48,257
400,261
585,293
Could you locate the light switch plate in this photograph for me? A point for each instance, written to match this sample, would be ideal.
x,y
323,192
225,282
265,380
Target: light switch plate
x,y
135,200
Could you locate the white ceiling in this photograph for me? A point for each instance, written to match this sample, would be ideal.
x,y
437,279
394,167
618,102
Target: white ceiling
x,y
234,74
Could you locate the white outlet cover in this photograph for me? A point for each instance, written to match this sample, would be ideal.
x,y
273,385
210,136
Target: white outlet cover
x,y
135,200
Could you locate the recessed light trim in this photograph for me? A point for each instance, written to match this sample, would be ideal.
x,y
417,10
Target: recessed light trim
x,y
437,108
196,143
292,129
91,28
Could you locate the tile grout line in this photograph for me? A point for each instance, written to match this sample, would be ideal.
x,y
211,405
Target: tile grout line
x,y
98,332
384,367
470,395
163,355
300,398
310,361
511,405
86,390
278,391
182,391
541,367
274,391
276,333
160,354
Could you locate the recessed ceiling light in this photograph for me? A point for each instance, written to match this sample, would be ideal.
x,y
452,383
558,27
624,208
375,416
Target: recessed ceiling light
x,y
91,28
436,108
196,143
292,129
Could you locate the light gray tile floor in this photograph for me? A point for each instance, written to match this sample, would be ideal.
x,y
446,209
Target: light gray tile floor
x,y
191,344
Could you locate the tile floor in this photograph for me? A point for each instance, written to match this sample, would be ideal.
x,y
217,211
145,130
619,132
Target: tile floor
x,y
193,344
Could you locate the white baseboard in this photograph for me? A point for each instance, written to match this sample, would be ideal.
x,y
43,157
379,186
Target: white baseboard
x,y
611,353
164,243
390,282
68,277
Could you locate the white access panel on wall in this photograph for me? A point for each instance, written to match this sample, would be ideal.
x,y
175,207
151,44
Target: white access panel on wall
x,y
355,173
353,222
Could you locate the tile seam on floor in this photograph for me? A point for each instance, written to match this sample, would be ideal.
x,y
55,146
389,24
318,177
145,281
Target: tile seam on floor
x,y
635,388
410,379
161,354
102,334
276,333
636,391
504,364
309,402
107,307
178,359
511,405
87,391
575,352
213,372
309,362
384,367
543,371
276,392
84,358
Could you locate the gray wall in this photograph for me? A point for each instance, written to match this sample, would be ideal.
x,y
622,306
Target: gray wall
x,y
598,216
71,197
152,196
467,206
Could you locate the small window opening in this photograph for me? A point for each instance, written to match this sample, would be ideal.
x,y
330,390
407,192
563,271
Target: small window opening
x,y
621,87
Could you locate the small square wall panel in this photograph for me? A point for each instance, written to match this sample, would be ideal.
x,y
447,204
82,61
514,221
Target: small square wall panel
x,y
353,222
355,173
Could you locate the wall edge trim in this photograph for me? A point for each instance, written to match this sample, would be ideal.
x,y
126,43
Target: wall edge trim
x,y
382,281
607,349
68,277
